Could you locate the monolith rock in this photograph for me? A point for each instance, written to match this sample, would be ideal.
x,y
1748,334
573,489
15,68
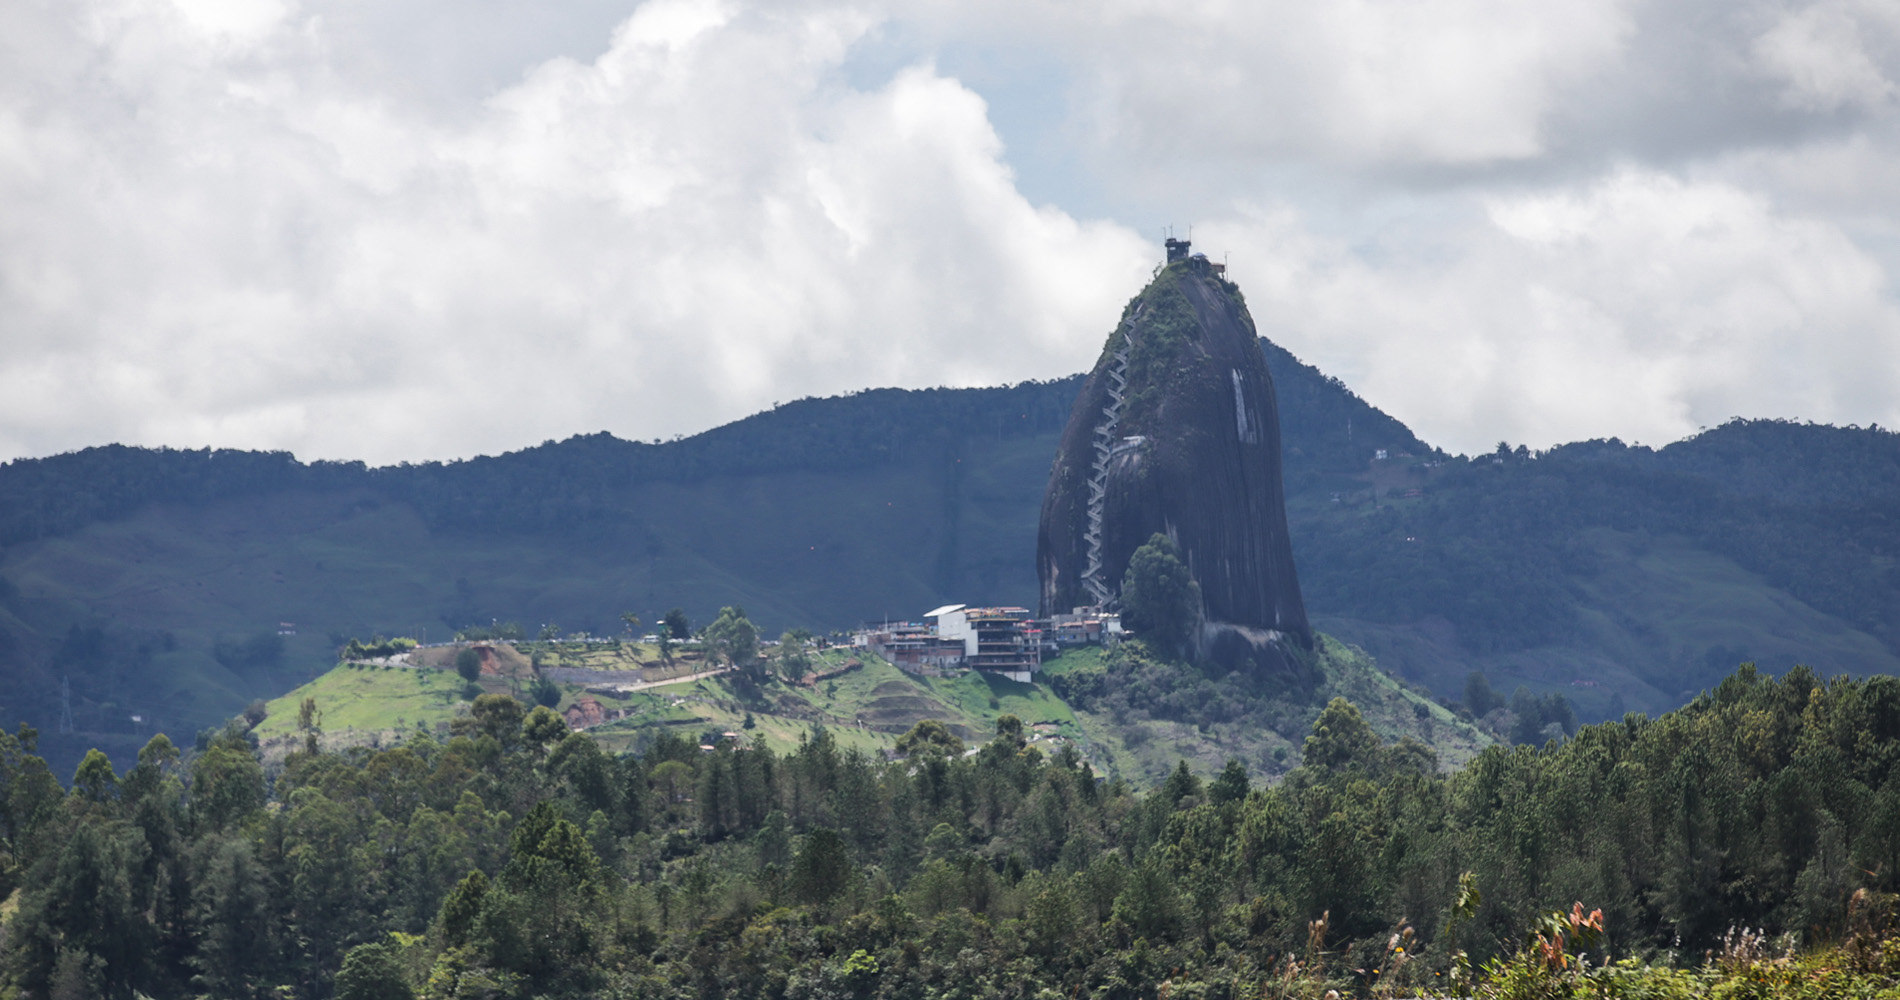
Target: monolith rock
x,y
1177,432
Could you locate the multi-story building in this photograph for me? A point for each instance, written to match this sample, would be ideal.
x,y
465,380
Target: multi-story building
x,y
1001,640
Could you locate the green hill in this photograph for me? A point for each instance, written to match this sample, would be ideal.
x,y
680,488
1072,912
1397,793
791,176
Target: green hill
x,y
1081,700
1627,578
153,584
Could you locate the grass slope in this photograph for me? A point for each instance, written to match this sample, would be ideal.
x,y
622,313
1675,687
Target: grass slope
x,y
867,706
1147,748
369,700
1593,571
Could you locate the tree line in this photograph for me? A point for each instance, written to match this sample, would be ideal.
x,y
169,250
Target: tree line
x,y
511,858
43,497
1328,429
1496,541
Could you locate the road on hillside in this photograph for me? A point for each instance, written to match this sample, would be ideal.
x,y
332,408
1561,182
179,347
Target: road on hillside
x,y
643,685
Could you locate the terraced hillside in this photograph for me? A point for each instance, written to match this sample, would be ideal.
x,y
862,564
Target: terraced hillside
x,y
867,703
145,590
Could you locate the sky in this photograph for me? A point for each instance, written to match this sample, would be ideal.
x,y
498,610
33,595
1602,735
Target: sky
x,y
403,230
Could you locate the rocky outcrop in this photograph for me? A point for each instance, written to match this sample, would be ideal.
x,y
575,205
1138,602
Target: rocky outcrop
x,y
1177,431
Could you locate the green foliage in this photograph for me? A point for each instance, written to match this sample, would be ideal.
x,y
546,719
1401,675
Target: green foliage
x,y
371,972
503,861
1536,719
733,638
794,653
1009,732
461,909
544,692
1508,552
1479,697
375,649
501,631
1341,740
1158,708
227,783
542,727
821,868
95,780
1540,553
1231,786
1160,598
498,717
468,663
930,736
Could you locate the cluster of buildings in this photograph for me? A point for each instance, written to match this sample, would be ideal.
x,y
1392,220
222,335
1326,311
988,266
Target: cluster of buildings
x,y
1000,640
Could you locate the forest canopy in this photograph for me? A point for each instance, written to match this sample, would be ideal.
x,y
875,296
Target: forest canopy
x,y
514,859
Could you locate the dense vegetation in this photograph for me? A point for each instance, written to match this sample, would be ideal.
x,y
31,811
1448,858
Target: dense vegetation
x,y
513,859
1328,429
132,576
1497,542
59,494
148,585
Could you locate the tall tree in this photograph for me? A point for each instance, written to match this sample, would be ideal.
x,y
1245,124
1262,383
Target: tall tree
x,y
468,663
372,972
735,639
794,655
1160,598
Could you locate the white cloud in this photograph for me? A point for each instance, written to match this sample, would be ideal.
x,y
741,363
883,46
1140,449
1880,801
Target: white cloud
x,y
1642,305
1356,81
223,249
239,20
416,229
1825,55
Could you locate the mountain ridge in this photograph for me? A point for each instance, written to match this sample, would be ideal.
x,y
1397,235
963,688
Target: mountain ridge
x,y
1627,578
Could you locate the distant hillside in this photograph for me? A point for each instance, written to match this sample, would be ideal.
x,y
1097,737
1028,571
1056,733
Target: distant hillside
x,y
1628,578
154,582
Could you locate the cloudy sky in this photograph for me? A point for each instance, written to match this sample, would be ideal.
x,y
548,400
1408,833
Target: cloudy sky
x,y
411,229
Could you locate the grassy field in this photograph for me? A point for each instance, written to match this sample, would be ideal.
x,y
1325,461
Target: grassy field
x,y
867,705
371,700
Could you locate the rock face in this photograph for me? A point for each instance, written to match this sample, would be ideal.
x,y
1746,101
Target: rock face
x,y
1177,431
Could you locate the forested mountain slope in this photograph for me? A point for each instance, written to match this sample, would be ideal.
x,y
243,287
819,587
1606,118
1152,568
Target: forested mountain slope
x,y
1629,578
154,582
